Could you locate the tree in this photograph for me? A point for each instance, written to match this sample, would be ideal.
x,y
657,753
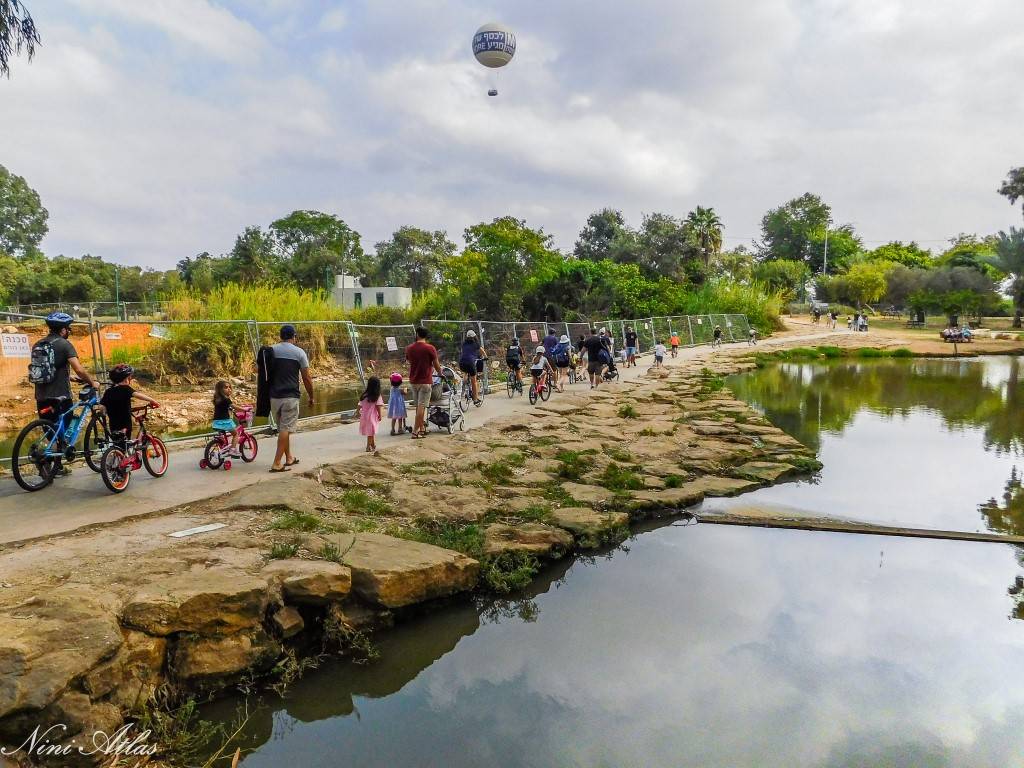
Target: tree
x,y
664,249
866,282
797,231
704,230
252,259
970,251
1013,187
498,258
736,265
412,257
788,231
597,238
22,216
314,246
909,254
783,275
1009,259
17,33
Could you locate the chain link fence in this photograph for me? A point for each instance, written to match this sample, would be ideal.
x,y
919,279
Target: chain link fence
x,y
180,361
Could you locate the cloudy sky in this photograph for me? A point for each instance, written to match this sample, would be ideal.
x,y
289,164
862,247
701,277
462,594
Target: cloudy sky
x,y
157,129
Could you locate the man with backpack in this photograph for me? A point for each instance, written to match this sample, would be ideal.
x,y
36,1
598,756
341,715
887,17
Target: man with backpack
x,y
562,358
53,359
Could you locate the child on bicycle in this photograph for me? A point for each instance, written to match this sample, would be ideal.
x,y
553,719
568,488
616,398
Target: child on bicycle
x,y
117,402
541,368
223,420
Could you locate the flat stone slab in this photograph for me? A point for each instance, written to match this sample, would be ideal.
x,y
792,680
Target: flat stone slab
x,y
591,528
588,494
48,641
396,572
764,471
207,659
310,582
535,538
711,485
679,498
300,494
215,601
463,504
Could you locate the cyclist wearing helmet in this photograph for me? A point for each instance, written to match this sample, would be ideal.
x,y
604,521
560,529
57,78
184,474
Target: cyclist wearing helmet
x,y
53,359
540,368
471,363
117,401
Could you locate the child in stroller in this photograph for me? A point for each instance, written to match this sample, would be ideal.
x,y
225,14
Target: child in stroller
x,y
446,407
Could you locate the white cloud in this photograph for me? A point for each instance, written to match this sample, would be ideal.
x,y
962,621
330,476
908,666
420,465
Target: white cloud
x,y
901,116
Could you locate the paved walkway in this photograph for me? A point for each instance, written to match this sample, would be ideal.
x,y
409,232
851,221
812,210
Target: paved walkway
x,y
82,499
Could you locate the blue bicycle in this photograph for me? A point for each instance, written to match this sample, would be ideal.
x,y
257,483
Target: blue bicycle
x,y
42,444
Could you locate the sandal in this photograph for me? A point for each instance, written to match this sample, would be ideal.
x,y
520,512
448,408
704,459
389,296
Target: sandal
x,y
417,436
291,463
285,468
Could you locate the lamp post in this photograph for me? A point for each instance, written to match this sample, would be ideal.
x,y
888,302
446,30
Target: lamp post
x,y
117,290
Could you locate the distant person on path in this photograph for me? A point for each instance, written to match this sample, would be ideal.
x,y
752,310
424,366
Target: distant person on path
x,y
550,342
396,405
595,349
370,406
631,347
562,354
53,359
423,363
674,342
659,355
717,340
752,337
471,363
290,364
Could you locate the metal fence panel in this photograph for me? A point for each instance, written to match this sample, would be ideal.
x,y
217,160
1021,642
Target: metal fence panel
x,y
382,348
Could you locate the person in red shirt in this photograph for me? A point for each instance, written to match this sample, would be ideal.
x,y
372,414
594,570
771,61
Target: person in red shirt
x,y
423,361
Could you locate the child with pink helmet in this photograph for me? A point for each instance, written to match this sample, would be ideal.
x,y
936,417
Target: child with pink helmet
x,y
396,405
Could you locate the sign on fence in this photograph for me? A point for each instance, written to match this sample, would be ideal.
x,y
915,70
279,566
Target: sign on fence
x,y
15,345
392,343
700,321
112,336
533,336
159,332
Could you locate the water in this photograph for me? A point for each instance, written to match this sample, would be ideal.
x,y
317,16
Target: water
x,y
928,443
715,646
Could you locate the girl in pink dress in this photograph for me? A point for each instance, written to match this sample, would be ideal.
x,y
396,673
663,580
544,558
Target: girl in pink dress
x,y
370,412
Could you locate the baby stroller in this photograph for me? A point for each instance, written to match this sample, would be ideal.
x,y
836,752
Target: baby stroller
x,y
612,372
444,411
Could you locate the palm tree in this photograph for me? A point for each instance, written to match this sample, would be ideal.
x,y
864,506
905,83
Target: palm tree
x,y
17,32
704,229
1009,258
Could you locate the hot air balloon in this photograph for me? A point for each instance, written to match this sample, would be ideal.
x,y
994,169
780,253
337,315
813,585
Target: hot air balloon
x,y
494,45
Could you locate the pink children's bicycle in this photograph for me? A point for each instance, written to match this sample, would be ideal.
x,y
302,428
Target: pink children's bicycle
x,y
218,450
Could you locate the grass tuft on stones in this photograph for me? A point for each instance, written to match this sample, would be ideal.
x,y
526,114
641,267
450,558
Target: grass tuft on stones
x,y
303,522
621,478
283,550
572,465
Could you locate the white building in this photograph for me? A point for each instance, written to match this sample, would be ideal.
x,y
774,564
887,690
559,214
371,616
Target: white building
x,y
351,295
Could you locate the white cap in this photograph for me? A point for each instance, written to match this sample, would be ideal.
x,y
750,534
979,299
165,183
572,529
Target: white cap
x,y
604,330
540,350
564,339
470,334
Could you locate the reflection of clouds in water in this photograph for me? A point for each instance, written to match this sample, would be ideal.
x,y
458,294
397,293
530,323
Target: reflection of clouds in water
x,y
755,648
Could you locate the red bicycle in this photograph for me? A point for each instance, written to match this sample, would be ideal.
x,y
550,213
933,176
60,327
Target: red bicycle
x,y
125,456
541,386
218,450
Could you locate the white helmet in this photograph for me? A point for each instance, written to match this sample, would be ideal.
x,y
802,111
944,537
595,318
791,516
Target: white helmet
x,y
564,339
470,334
540,350
604,330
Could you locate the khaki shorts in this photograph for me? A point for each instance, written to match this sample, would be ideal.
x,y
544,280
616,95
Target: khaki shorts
x,y
421,395
285,411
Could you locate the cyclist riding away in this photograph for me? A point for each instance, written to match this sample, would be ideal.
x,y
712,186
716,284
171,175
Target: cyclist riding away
x,y
53,358
514,361
471,363
540,368
117,402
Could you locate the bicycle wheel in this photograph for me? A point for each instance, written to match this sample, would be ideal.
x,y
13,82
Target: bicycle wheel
x,y
248,447
97,440
32,468
510,387
154,456
533,394
114,469
545,391
214,454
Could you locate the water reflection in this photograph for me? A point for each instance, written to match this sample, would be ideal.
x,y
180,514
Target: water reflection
x,y
912,442
807,399
700,646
